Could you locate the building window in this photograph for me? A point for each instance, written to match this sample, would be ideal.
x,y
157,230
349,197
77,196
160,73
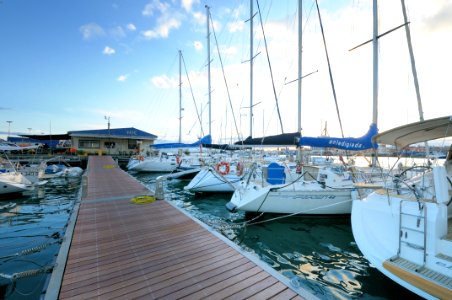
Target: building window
x,y
132,145
110,145
89,144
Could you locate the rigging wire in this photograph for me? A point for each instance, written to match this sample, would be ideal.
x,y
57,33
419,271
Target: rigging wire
x,y
270,67
329,68
192,95
224,76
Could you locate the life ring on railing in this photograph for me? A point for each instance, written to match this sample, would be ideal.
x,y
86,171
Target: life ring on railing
x,y
223,168
178,161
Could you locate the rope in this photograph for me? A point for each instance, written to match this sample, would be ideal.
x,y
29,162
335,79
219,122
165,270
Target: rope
x,y
224,76
192,95
34,249
269,66
25,274
146,199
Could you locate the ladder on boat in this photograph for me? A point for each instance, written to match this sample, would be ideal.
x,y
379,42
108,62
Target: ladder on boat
x,y
413,224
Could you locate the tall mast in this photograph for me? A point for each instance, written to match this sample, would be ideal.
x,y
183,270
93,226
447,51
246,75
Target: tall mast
x,y
299,63
375,62
251,68
180,96
208,68
413,64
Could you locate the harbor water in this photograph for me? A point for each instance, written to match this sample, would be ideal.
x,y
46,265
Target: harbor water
x,y
31,231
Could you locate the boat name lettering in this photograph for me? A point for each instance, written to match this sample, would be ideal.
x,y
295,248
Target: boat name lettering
x,y
131,132
345,144
315,197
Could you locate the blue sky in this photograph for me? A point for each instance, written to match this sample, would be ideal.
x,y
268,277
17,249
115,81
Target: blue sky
x,y
65,65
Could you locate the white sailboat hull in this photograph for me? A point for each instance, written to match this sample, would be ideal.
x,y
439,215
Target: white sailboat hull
x,y
424,262
14,182
297,198
208,180
152,165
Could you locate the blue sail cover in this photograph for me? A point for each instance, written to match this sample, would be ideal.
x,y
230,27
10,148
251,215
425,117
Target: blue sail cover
x,y
205,140
362,143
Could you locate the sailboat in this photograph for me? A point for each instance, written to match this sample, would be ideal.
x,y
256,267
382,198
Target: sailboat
x,y
176,160
405,230
330,192
224,174
168,161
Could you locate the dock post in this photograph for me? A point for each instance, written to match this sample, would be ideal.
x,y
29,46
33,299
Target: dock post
x,y
159,193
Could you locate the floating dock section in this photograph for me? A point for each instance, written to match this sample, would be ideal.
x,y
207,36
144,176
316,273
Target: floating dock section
x,y
117,247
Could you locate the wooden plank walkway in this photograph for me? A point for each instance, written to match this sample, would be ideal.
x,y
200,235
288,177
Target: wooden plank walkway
x,y
124,250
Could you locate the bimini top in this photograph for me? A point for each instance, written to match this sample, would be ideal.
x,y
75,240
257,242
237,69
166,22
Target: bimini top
x,y
416,132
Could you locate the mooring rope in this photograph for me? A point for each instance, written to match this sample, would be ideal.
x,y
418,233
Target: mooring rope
x,y
33,249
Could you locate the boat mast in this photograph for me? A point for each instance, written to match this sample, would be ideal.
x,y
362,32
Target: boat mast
x,y
180,96
299,150
413,69
251,67
208,68
299,63
413,64
375,62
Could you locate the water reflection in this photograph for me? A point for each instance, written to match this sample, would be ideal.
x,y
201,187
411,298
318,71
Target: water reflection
x,y
31,228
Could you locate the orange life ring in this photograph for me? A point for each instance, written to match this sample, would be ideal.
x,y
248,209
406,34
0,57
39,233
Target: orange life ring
x,y
223,168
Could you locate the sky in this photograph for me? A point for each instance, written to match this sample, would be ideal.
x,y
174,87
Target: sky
x,y
79,65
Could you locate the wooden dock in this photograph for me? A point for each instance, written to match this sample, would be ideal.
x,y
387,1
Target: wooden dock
x,y
120,249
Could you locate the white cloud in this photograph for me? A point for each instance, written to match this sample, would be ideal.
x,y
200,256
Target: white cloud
x,y
117,32
123,78
163,28
228,51
153,6
236,26
187,4
131,27
164,82
91,31
198,45
200,18
109,51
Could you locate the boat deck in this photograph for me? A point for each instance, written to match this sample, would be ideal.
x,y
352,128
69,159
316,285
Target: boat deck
x,y
121,249
423,278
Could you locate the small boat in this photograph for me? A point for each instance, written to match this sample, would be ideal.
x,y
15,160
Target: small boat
x,y
48,169
14,182
165,162
222,178
405,230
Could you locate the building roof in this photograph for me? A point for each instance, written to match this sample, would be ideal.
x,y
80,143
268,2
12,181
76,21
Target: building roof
x,y
120,133
45,137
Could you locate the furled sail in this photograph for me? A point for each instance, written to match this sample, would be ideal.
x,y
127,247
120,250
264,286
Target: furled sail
x,y
206,140
285,139
362,143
